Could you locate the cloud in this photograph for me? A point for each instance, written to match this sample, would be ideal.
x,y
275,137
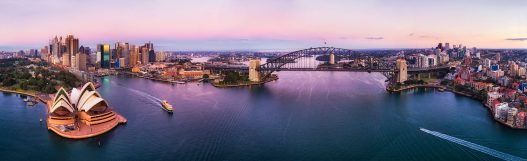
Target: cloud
x,y
375,38
422,36
517,39
425,36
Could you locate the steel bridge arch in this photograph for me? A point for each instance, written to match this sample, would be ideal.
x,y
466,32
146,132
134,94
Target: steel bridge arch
x,y
276,64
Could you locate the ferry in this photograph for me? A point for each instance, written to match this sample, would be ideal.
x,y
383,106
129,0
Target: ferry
x,y
166,106
181,82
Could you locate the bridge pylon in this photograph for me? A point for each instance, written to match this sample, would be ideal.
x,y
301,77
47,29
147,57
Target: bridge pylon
x,y
332,58
254,74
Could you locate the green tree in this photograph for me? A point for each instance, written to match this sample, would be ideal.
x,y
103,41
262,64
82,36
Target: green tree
x,y
9,82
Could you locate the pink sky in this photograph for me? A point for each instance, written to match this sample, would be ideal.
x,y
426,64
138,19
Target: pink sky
x,y
270,24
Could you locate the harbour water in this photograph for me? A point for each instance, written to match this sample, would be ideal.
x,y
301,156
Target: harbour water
x,y
302,116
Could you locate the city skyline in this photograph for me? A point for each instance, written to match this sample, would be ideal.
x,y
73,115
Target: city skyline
x,y
269,25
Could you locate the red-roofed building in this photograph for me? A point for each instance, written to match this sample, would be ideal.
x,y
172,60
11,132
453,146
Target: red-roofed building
x,y
459,81
510,94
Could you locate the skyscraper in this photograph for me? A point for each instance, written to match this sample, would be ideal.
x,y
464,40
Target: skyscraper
x,y
144,55
151,56
80,59
133,58
104,49
55,48
72,48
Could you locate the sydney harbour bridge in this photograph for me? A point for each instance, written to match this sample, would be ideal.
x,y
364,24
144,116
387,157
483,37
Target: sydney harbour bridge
x,y
325,59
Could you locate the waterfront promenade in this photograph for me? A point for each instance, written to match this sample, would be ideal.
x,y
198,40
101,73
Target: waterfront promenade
x,y
38,96
83,131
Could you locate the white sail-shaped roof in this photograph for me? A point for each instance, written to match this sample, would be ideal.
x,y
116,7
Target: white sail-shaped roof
x,y
61,92
88,100
79,100
61,100
91,103
75,95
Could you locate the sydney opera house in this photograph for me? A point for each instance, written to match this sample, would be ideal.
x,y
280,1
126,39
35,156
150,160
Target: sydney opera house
x,y
82,113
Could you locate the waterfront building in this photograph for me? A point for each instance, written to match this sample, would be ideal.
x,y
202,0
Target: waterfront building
x,y
491,96
94,116
254,75
511,116
193,74
501,111
520,120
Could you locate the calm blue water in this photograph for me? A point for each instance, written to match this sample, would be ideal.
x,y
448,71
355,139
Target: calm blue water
x,y
302,116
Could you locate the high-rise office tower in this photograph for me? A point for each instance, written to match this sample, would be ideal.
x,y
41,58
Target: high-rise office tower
x,y
72,48
119,47
105,54
66,60
80,59
151,56
133,55
55,48
144,55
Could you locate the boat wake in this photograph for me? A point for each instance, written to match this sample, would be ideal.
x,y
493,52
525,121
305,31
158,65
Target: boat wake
x,y
155,100
146,95
480,148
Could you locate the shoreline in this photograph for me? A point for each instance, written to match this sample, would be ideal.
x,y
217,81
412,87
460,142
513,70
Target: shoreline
x,y
489,109
157,79
243,84
34,94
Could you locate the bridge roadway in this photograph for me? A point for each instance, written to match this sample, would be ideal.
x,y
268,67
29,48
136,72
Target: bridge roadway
x,y
413,70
